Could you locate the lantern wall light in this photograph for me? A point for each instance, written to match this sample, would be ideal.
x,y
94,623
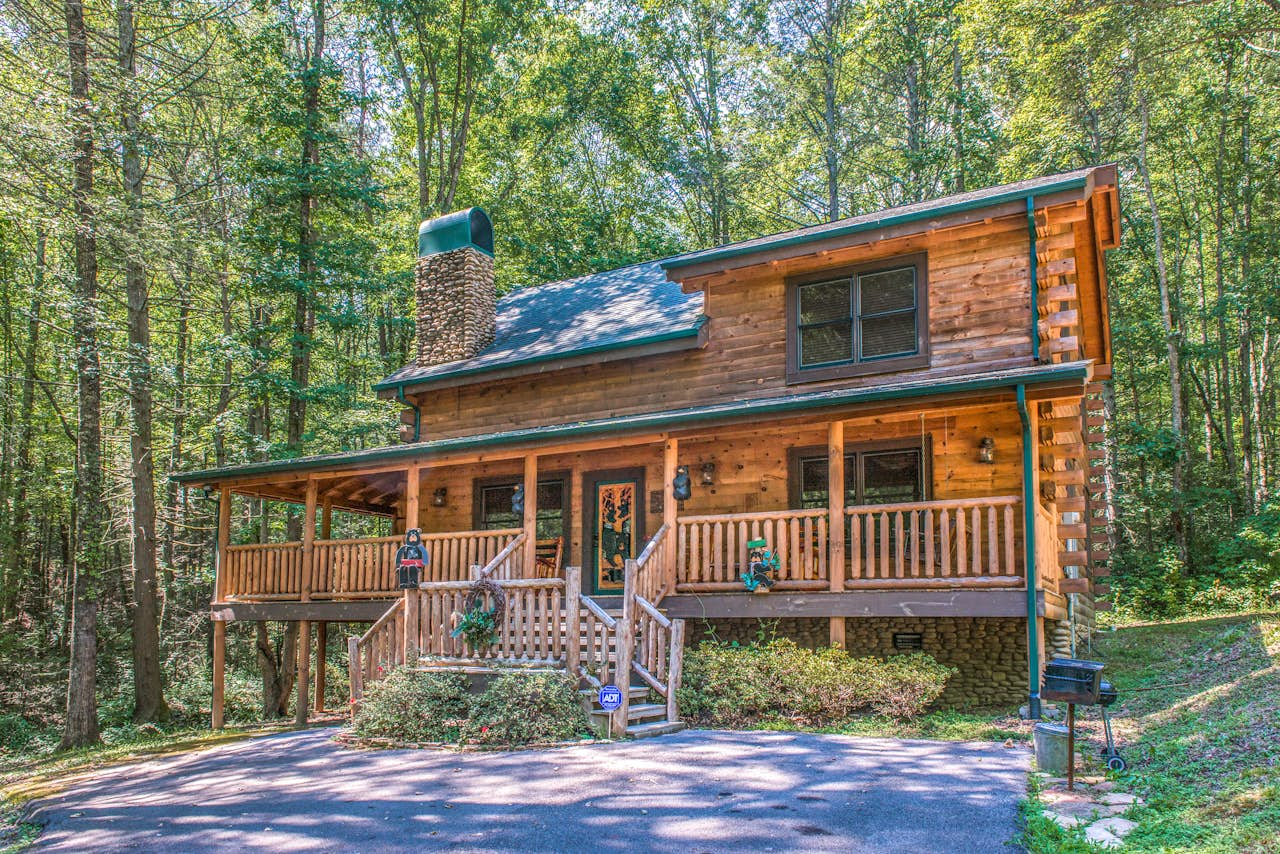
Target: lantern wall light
x,y
708,474
440,497
987,450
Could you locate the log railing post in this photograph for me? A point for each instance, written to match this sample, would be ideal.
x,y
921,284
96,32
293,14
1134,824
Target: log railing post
x,y
573,630
626,643
530,515
355,671
675,667
835,521
412,603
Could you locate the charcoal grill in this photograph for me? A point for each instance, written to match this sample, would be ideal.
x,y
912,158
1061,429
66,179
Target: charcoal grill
x,y
1107,695
1072,681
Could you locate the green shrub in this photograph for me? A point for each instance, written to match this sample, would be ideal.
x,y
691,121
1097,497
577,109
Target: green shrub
x,y
526,708
516,708
728,685
410,705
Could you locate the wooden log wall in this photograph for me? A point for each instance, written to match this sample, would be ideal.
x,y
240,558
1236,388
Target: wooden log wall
x,y
979,316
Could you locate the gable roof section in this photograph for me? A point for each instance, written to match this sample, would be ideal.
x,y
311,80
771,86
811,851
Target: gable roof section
x,y
642,309
912,213
625,309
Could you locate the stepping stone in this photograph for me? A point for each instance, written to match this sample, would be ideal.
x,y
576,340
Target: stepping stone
x,y
1116,826
1101,837
1119,798
1064,821
1104,786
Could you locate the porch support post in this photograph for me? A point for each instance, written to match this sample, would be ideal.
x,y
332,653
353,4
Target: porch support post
x,y
835,520
326,519
670,452
219,666
1030,495
224,540
304,626
412,496
530,514
322,644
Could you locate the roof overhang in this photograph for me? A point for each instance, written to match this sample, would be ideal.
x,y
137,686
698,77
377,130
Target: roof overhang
x,y
1061,380
692,338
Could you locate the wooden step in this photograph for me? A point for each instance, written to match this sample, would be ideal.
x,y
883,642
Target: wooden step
x,y
638,712
653,728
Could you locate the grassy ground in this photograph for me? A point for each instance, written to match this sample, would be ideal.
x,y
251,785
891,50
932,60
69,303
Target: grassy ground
x,y
945,725
1199,723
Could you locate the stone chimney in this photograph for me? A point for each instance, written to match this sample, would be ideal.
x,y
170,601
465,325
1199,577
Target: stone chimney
x,y
456,299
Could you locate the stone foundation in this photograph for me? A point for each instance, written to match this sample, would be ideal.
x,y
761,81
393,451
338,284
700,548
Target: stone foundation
x,y
990,653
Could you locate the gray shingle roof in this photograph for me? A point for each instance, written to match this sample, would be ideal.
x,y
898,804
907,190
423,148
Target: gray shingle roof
x,y
601,311
876,219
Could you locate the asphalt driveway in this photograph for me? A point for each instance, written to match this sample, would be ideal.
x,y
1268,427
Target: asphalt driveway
x,y
696,791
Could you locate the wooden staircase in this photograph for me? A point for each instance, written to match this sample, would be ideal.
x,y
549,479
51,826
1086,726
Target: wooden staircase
x,y
547,625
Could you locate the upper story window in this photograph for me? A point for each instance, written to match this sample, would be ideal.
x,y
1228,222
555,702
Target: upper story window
x,y
859,320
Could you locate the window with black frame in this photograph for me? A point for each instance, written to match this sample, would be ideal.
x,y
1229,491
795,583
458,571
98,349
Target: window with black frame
x,y
864,319
495,511
885,476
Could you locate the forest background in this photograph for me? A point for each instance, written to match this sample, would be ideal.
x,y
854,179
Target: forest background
x,y
207,222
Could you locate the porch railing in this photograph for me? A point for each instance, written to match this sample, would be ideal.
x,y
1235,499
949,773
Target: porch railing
x,y
926,543
711,551
354,568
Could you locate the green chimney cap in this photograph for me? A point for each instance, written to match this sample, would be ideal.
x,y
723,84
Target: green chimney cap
x,y
470,227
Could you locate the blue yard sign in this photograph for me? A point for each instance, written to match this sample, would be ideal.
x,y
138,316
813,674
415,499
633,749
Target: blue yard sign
x,y
610,698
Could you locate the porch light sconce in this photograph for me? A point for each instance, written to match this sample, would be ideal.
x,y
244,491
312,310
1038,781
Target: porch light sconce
x,y
987,450
439,497
680,489
207,492
708,474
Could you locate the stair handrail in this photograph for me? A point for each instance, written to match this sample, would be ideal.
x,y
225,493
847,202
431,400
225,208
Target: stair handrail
x,y
501,557
361,671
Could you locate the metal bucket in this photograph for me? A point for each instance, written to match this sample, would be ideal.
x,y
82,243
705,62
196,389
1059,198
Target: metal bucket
x,y
1051,748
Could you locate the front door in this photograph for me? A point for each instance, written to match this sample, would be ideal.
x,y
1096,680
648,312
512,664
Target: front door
x,y
616,525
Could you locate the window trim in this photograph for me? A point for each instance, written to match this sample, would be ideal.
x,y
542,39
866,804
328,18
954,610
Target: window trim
x,y
795,456
480,484
857,366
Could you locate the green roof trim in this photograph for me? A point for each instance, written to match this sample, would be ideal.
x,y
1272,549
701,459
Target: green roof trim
x,y
667,419
884,219
470,227
392,383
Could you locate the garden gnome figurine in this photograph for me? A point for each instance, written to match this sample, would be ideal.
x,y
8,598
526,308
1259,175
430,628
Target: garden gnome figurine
x,y
411,559
760,568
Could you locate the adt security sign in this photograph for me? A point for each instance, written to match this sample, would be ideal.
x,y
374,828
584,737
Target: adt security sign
x,y
610,698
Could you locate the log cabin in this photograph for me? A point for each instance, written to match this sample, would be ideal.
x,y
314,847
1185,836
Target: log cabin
x,y
907,406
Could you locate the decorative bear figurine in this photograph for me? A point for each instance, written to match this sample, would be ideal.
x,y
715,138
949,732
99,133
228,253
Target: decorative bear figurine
x,y
762,565
411,559
680,489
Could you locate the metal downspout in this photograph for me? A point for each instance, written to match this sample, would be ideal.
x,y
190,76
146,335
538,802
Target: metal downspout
x,y
417,413
1035,280
1029,499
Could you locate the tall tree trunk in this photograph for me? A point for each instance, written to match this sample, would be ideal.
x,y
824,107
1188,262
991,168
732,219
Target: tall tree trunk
x,y
88,499
148,687
1225,396
1173,349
